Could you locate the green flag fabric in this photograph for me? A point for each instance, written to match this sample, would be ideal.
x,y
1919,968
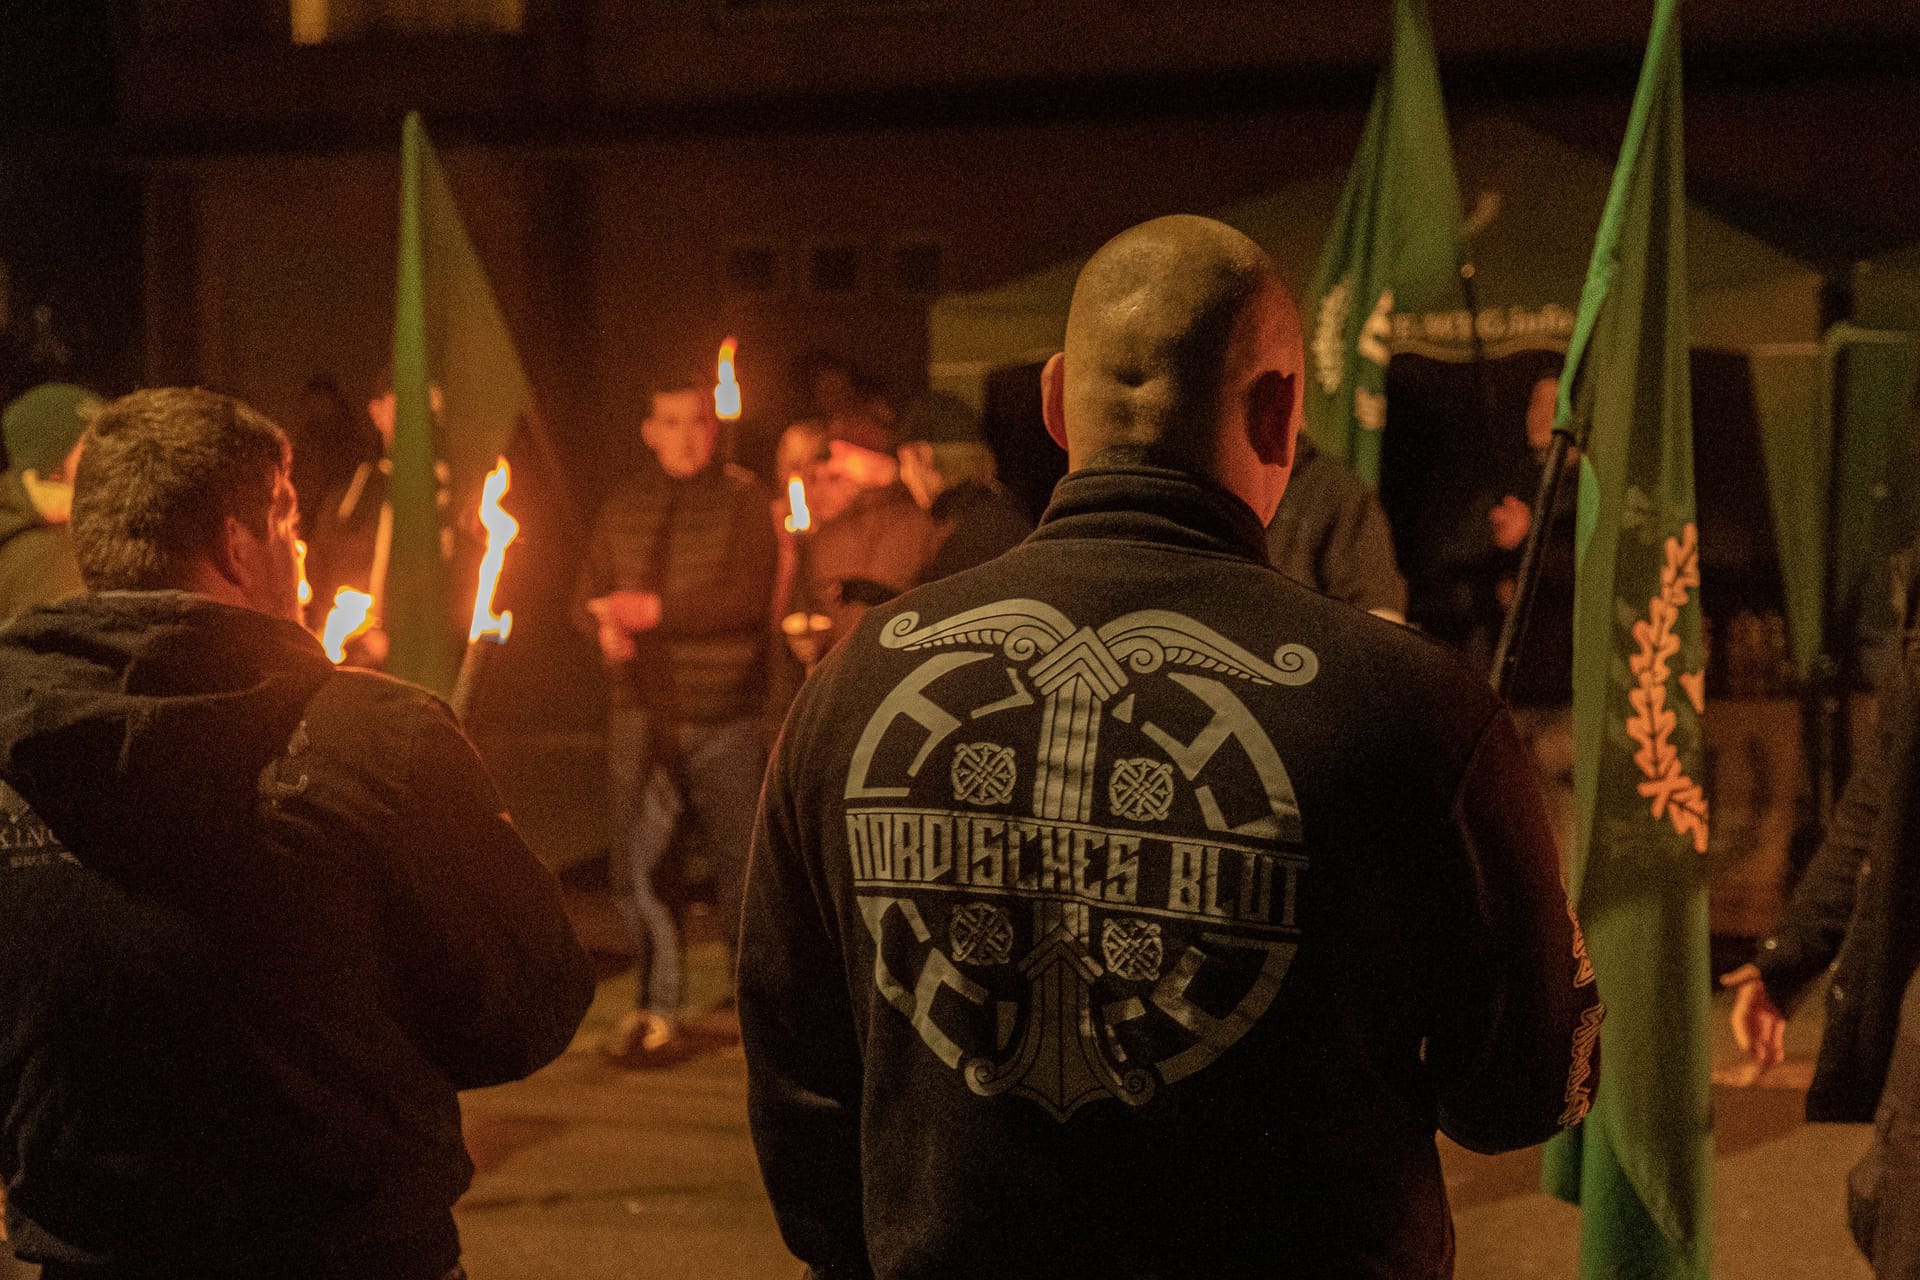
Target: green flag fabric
x,y
1840,472
1872,378
1394,245
1640,1165
450,344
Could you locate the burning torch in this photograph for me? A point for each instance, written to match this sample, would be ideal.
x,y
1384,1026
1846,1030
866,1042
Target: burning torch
x,y
305,592
805,628
726,389
488,630
350,617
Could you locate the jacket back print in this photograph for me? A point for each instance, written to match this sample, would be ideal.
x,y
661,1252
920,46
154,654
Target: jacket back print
x,y
1122,908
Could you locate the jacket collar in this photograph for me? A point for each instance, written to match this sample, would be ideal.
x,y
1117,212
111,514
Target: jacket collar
x,y
1153,504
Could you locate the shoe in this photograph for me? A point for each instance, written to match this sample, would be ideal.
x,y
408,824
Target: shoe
x,y
639,1033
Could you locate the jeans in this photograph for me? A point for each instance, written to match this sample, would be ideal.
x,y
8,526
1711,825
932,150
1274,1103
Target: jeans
x,y
712,788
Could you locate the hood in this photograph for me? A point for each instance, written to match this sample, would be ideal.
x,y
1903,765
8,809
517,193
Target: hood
x,y
130,719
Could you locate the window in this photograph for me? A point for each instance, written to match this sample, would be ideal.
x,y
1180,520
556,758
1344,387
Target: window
x,y
817,10
752,270
318,21
833,270
916,268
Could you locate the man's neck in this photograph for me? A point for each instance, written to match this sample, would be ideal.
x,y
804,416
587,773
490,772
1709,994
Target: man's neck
x,y
205,580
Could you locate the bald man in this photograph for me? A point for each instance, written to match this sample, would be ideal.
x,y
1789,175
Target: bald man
x,y
1121,908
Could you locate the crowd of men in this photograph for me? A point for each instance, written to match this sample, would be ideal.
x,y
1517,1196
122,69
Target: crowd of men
x,y
1111,904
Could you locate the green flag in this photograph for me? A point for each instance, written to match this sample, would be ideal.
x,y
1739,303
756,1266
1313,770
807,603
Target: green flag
x,y
1640,1164
449,337
1394,245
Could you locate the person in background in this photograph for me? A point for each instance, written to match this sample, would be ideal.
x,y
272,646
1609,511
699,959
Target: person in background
x,y
1883,1190
1121,908
1465,542
330,443
871,539
676,588
263,917
1330,533
350,528
833,388
42,429
946,465
1854,918
1542,692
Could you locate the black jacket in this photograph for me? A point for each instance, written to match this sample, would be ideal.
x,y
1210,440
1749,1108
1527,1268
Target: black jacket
x,y
705,545
262,919
1122,908
1857,908
1331,533
974,521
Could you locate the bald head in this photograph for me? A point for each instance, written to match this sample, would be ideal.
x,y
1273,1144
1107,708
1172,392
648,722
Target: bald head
x,y
1183,349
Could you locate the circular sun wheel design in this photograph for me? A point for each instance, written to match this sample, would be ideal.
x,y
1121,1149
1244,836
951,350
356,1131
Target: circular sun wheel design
x,y
1141,790
983,773
980,934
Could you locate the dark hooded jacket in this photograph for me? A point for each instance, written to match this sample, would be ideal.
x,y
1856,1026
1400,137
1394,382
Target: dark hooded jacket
x,y
1120,908
1856,910
262,919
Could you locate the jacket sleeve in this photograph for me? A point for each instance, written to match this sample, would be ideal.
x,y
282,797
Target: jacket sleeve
x,y
738,598
1815,922
595,577
803,1056
497,980
1515,1048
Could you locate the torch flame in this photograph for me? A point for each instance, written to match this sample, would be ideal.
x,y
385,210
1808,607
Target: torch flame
x,y
726,392
351,614
501,529
305,591
802,519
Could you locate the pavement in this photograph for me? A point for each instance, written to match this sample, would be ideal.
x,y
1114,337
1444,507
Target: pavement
x,y
588,1170
591,1171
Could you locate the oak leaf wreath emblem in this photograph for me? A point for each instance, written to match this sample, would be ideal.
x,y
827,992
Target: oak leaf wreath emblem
x,y
1671,793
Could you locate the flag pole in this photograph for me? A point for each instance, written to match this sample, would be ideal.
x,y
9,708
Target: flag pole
x,y
1526,585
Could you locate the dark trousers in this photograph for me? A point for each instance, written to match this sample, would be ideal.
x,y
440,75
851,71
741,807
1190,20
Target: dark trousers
x,y
707,782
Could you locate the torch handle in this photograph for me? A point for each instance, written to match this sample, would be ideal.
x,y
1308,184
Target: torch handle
x,y
464,684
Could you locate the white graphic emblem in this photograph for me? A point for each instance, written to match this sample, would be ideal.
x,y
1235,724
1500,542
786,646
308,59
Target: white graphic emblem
x,y
983,774
1105,958
980,934
1132,949
1330,336
1140,790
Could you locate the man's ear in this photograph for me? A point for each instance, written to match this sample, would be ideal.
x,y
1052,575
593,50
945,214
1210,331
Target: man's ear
x,y
232,553
1272,423
1053,398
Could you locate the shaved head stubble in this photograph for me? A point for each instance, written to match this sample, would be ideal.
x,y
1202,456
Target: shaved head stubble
x,y
1183,351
